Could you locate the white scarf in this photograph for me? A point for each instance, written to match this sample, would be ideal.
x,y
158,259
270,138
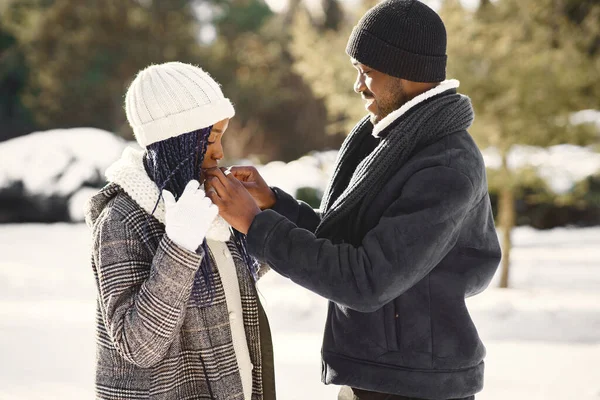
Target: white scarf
x,y
129,173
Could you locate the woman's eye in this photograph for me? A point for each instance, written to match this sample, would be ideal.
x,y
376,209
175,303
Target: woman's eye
x,y
209,142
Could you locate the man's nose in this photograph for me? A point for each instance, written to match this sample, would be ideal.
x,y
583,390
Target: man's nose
x,y
359,84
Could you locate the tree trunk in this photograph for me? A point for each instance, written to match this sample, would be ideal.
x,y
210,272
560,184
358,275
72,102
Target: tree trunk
x,y
507,219
506,214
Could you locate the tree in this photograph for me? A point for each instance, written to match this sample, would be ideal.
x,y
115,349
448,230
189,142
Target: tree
x,y
522,64
320,58
82,55
277,116
333,15
15,119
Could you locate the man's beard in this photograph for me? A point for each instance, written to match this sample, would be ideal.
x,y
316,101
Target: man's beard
x,y
388,104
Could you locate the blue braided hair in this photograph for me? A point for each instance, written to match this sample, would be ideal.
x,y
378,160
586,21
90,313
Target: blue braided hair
x,y
171,164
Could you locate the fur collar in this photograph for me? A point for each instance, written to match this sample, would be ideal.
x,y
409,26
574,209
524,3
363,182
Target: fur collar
x,y
129,173
394,115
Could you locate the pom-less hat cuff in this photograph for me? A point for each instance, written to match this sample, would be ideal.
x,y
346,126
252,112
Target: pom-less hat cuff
x,y
376,53
183,122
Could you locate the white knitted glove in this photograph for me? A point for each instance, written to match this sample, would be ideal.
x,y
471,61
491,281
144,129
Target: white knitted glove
x,y
188,219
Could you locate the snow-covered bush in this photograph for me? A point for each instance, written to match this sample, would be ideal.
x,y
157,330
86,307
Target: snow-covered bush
x,y
40,172
48,176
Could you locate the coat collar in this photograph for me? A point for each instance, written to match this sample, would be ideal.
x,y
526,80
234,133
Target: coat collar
x,y
439,116
394,115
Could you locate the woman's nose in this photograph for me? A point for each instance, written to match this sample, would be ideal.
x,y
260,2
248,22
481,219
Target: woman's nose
x,y
217,153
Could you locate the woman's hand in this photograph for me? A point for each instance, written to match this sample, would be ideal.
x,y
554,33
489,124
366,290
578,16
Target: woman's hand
x,y
188,219
235,204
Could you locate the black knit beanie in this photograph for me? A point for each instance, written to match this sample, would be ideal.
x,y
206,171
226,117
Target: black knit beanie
x,y
402,38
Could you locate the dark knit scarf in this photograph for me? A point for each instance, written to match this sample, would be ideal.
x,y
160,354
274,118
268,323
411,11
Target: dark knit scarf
x,y
423,124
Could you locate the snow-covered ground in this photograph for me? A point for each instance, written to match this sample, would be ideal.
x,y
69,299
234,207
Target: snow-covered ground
x,y
543,336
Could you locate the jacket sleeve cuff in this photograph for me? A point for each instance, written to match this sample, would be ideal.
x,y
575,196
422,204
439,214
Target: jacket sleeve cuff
x,y
286,205
260,231
180,255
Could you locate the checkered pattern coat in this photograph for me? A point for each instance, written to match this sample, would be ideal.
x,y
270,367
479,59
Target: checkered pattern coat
x,y
153,341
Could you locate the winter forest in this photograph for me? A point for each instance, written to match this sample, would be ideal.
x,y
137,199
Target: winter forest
x,y
530,67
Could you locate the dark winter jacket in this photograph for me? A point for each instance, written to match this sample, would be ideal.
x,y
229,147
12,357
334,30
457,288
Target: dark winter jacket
x,y
412,236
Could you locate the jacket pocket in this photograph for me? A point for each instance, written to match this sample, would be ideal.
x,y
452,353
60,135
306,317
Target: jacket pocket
x,y
413,326
390,317
398,326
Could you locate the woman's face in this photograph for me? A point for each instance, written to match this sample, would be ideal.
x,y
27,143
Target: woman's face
x,y
214,150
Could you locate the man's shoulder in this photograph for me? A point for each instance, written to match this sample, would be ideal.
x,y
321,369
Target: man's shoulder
x,y
457,151
462,152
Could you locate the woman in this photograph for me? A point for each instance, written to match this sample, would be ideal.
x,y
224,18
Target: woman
x,y
178,315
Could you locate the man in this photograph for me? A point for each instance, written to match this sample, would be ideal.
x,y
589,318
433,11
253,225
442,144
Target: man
x,y
405,231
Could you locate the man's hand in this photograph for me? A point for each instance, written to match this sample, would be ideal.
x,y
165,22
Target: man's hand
x,y
235,204
255,185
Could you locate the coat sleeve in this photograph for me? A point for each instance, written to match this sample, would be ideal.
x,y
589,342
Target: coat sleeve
x,y
414,234
300,213
142,298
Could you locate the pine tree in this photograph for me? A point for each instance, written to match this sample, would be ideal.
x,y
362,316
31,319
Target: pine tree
x,y
334,15
15,120
522,64
82,55
277,116
320,58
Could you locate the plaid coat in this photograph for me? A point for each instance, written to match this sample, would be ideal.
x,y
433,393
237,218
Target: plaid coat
x,y
153,342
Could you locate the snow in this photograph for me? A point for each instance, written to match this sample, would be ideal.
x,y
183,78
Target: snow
x,y
59,161
560,166
542,336
313,171
67,162
586,117
78,201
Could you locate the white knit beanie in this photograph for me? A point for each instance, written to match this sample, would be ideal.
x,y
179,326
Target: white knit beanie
x,y
171,99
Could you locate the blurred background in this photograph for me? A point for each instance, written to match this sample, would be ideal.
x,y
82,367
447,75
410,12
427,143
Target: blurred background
x,y
531,68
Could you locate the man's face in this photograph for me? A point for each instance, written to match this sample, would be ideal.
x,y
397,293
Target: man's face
x,y
382,93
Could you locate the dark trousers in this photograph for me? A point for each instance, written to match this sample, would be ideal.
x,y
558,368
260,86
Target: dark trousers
x,y
348,393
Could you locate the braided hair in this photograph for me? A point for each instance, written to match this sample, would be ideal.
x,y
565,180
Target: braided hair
x,y
171,164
